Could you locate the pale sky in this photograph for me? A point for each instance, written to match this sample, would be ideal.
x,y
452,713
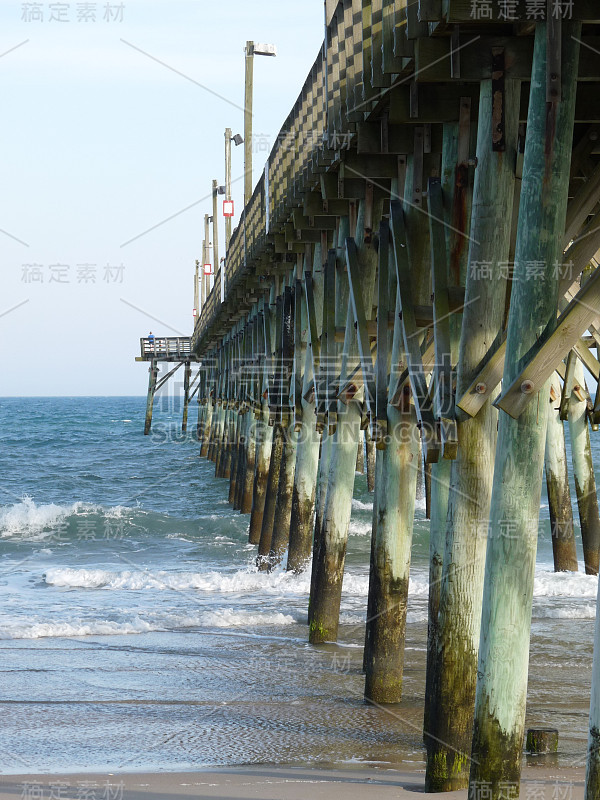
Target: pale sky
x,y
100,143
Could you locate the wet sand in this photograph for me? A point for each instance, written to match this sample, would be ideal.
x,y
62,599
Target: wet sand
x,y
542,782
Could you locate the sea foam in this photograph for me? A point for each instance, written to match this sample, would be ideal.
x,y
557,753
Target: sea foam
x,y
279,582
213,618
242,581
28,521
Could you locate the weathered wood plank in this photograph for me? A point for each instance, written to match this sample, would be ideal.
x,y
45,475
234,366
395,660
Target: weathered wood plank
x,y
573,322
433,61
582,205
488,378
437,103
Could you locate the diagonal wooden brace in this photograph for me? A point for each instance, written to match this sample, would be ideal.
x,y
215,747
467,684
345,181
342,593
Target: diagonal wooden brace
x,y
314,343
572,323
567,390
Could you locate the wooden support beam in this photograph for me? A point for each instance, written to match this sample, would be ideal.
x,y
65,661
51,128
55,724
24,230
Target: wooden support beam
x,y
587,359
567,388
283,507
433,57
380,138
430,10
153,374
420,391
437,103
166,377
577,257
307,459
499,717
326,598
379,429
571,325
442,373
586,145
264,433
585,481
582,205
249,393
391,64
557,485
326,395
186,395
554,55
395,489
400,386
315,205
364,347
268,355
586,109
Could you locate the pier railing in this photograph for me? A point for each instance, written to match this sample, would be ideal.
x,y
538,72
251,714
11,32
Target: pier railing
x,y
171,348
263,229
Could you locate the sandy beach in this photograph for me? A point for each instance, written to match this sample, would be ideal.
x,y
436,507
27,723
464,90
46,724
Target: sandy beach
x,y
542,782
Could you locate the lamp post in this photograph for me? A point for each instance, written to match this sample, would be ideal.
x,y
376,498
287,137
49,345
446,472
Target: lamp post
x,y
196,298
215,222
237,140
203,276
207,287
251,51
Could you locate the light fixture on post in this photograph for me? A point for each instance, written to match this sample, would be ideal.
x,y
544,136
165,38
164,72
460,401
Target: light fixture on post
x,y
251,51
265,50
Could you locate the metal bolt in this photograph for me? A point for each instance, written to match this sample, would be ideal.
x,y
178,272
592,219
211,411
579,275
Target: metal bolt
x,y
481,388
527,387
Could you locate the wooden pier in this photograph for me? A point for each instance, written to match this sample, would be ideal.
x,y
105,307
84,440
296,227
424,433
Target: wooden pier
x,y
417,268
170,349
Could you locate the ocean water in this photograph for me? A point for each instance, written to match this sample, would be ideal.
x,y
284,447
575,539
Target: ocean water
x,y
136,633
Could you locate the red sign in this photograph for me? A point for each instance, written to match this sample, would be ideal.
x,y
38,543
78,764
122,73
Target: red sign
x,y
228,208
208,270
194,312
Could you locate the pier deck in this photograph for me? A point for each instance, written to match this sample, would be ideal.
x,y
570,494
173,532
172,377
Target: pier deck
x,y
170,348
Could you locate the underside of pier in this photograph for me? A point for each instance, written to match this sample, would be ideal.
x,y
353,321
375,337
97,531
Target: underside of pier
x,y
416,272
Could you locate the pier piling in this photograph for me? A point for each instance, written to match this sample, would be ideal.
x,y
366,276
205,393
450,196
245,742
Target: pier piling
x,y
512,542
153,376
453,665
557,486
